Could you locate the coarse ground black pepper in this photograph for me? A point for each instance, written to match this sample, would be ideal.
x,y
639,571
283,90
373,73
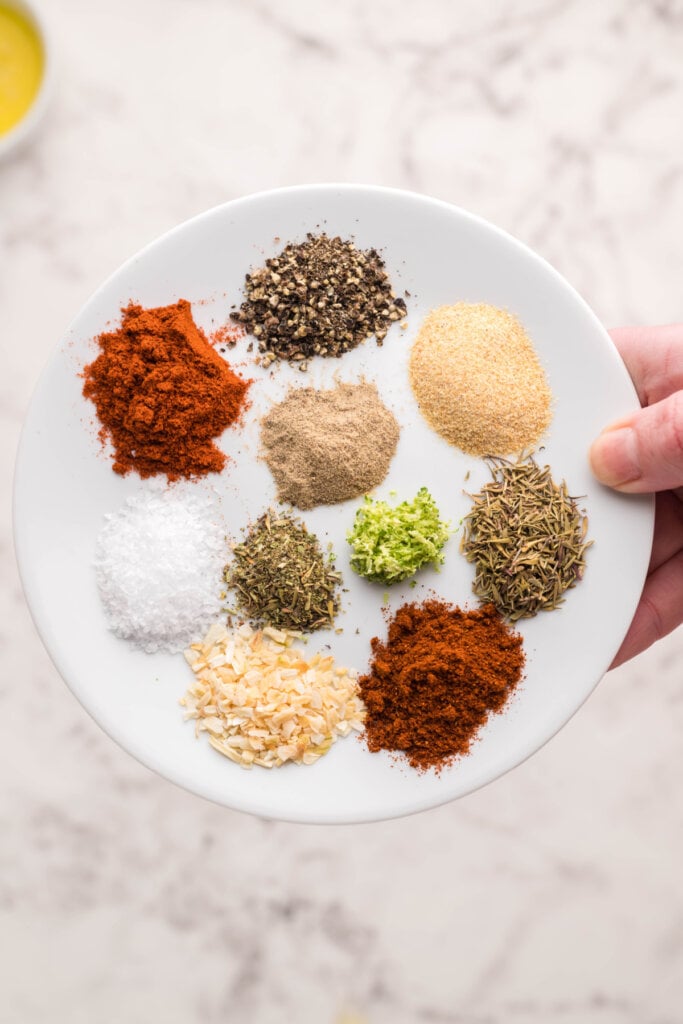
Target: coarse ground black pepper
x,y
321,297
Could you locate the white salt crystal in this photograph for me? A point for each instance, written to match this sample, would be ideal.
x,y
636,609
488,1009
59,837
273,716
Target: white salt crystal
x,y
159,564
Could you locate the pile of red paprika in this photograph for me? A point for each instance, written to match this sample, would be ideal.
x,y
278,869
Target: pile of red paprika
x,y
436,679
163,394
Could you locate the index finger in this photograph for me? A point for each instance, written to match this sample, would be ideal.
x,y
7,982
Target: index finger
x,y
654,359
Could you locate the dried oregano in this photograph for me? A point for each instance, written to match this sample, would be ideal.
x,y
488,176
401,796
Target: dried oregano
x,y
281,577
527,538
321,297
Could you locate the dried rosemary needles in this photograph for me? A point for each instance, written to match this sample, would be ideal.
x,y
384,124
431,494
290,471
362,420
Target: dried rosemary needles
x,y
321,297
281,577
527,538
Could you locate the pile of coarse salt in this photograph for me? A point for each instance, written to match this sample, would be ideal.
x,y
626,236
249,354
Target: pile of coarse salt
x,y
159,563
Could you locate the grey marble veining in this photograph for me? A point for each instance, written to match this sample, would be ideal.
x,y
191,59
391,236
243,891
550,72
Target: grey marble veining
x,y
553,896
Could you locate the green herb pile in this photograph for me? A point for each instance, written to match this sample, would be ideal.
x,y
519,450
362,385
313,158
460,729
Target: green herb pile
x,y
526,537
390,543
281,576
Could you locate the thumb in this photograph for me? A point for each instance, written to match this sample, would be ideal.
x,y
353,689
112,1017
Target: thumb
x,y
643,452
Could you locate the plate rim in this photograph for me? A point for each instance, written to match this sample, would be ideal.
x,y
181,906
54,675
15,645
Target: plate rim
x,y
28,585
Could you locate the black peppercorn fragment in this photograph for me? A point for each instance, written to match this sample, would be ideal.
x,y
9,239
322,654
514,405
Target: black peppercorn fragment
x,y
321,297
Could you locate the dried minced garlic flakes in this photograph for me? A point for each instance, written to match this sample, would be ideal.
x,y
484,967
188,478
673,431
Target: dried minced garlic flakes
x,y
263,701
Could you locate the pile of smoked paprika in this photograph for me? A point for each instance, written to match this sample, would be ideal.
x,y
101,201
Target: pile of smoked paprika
x,y
436,679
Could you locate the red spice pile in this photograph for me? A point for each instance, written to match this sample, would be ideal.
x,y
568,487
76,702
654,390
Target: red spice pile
x,y
163,394
436,679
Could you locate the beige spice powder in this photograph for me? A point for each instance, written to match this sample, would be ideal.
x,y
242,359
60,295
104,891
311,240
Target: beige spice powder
x,y
323,447
478,380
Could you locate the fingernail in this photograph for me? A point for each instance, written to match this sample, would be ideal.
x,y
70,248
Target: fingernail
x,y
614,457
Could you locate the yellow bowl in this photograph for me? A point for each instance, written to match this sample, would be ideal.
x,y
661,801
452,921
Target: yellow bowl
x,y
33,115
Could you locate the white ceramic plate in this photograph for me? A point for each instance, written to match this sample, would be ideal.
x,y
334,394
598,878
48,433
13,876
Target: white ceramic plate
x,y
438,254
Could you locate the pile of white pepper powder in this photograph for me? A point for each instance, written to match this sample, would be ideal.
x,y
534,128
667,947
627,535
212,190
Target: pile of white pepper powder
x,y
323,447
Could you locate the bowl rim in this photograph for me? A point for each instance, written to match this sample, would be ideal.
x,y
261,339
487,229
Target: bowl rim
x,y
34,13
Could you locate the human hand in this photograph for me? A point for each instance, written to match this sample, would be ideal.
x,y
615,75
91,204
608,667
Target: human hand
x,y
644,452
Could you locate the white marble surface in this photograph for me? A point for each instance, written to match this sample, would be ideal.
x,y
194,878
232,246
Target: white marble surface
x,y
553,896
